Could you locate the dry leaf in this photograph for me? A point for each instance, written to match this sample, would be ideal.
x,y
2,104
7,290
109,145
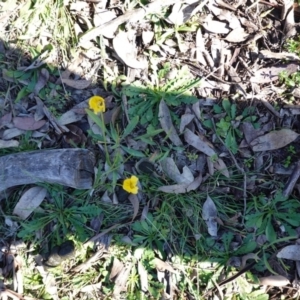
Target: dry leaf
x,y
163,266
291,252
8,144
29,201
200,48
181,188
143,277
209,215
274,140
5,119
237,35
170,169
77,84
198,143
147,36
116,269
278,55
11,133
28,123
166,123
134,200
216,26
274,280
269,74
185,120
121,281
43,78
126,50
220,166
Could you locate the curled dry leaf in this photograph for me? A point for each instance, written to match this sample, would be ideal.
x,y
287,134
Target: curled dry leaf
x,y
181,188
291,252
220,166
209,214
126,50
274,140
274,280
185,120
29,201
143,277
11,133
28,123
198,143
117,267
216,27
77,84
166,123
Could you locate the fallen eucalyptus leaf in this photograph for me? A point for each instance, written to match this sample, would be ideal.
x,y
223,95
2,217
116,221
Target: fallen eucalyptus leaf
x,y
291,252
274,140
209,215
198,143
166,123
8,144
237,35
28,123
124,45
77,84
181,188
274,280
134,200
29,201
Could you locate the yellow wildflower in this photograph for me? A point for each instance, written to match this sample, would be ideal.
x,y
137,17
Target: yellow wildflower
x,y
130,185
97,104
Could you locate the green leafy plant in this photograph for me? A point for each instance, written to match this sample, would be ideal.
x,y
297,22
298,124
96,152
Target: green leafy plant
x,y
278,212
288,160
228,126
66,216
150,232
143,100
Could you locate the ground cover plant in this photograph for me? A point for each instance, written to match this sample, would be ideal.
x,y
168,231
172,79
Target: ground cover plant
x,y
190,114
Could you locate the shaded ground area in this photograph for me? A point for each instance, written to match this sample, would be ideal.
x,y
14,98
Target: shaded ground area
x,y
186,118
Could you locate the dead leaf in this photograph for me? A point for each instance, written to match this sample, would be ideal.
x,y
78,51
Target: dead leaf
x,y
43,78
162,266
121,281
143,277
249,256
11,133
5,119
185,120
117,267
8,144
28,123
274,140
209,214
278,55
147,36
29,201
77,84
237,35
49,282
269,74
220,166
134,200
181,188
215,26
198,143
291,252
274,280
170,169
124,46
166,123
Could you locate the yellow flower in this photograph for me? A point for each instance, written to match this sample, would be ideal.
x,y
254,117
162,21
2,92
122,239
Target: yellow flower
x,y
130,185
97,104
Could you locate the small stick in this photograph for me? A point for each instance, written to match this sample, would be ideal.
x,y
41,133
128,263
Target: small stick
x,y
289,186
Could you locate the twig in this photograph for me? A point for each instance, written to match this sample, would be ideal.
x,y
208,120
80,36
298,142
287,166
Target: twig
x,y
133,15
289,186
238,167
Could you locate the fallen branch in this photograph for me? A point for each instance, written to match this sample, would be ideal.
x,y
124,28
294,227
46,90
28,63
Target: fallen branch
x,y
69,167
